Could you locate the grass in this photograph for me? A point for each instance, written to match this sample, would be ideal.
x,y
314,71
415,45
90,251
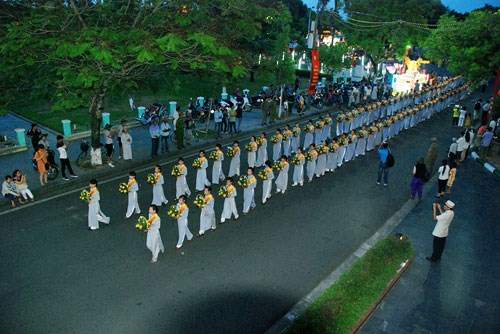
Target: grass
x,y
179,88
343,305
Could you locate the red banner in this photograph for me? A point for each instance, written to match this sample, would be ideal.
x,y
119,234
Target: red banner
x,y
315,68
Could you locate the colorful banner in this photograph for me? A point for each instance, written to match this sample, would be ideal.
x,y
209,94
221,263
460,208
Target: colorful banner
x,y
315,68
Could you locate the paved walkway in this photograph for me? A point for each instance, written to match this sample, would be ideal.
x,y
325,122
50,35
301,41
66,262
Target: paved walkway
x,y
461,293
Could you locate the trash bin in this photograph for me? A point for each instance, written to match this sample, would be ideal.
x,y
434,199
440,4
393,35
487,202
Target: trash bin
x,y
21,137
66,123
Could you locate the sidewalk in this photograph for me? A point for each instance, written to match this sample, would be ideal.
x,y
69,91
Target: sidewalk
x,y
461,293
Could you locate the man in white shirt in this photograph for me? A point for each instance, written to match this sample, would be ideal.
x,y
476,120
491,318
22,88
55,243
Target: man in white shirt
x,y
164,134
452,152
218,120
440,232
63,158
461,145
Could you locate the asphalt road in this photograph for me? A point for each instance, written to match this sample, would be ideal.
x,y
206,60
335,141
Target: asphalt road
x,y
57,277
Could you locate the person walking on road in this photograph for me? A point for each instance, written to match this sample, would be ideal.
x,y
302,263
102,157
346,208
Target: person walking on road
x,y
201,173
234,165
461,147
181,185
262,150
126,140
95,215
252,148
420,176
282,179
452,152
453,175
267,184
158,194
217,173
182,222
41,158
298,168
218,116
133,202
383,168
486,139
153,239
443,174
229,210
249,191
431,156
207,215
443,217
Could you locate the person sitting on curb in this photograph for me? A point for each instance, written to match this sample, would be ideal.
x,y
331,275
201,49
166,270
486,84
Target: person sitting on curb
x,y
10,192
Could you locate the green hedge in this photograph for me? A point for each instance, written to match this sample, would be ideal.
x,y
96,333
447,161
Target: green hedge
x,y
343,305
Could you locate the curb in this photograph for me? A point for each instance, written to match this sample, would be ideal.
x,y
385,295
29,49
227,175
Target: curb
x,y
487,165
13,150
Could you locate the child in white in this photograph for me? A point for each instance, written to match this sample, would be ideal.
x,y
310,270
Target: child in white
x,y
267,184
234,166
217,173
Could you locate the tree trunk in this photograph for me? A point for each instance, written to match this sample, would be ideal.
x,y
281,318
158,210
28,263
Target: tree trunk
x,y
95,111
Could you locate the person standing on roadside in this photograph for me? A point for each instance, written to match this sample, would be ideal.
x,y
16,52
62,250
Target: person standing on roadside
x,y
239,114
123,124
383,168
443,218
108,144
179,131
420,176
477,109
164,134
486,139
154,132
34,133
63,158
218,116
431,156
455,114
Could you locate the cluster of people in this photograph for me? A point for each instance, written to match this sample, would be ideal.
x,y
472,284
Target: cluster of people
x,y
318,153
15,189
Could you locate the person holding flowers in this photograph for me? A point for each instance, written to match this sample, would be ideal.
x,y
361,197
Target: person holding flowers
x,y
153,239
251,148
248,186
276,139
132,189
298,162
262,150
217,156
201,165
207,215
311,157
332,155
95,215
343,142
287,140
229,193
179,172
295,138
282,179
340,123
309,137
322,150
182,221
361,144
318,131
327,128
234,153
349,153
267,176
157,181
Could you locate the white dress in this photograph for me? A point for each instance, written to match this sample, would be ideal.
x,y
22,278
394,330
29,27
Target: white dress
x,y
207,217
295,143
201,176
182,224
217,173
282,179
249,197
311,168
158,194
286,147
251,158
298,173
349,153
153,239
96,216
234,166
340,157
126,139
370,142
331,160
229,207
360,146
267,187
181,186
133,204
277,151
320,165
318,136
308,140
261,154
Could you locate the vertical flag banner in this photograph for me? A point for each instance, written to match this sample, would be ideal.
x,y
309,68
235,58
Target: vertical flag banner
x,y
315,67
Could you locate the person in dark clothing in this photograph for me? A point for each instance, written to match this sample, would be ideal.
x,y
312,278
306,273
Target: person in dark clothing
x,y
35,134
420,176
179,131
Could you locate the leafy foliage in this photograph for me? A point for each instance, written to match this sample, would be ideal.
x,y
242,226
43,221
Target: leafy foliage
x,y
331,57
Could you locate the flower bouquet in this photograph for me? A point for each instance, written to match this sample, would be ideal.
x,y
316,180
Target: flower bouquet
x,y
309,128
151,179
296,160
230,151
214,155
197,163
199,201
276,138
277,166
333,147
362,133
142,224
309,156
85,195
263,175
249,147
328,120
223,192
343,141
173,212
319,125
285,136
259,141
123,188
341,117
176,171
296,132
243,181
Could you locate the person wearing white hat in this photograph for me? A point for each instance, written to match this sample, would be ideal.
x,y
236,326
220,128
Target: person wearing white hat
x,y
440,233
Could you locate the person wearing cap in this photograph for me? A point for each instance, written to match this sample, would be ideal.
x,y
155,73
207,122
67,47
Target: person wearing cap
x,y
440,233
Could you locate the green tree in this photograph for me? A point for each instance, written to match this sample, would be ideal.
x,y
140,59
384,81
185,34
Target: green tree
x,y
467,47
332,57
75,53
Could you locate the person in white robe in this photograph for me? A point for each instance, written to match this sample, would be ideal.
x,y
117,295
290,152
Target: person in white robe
x,y
249,191
318,132
158,194
133,188
332,156
327,128
268,183
309,137
217,173
234,165
262,151
282,179
201,173
287,140
181,185
321,160
312,156
343,142
349,153
126,140
182,222
298,168
95,215
378,135
229,210
296,138
207,215
385,133
153,239
252,148
370,141
361,143
277,140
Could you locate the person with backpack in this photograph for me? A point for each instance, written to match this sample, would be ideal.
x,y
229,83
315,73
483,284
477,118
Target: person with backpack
x,y
386,161
420,176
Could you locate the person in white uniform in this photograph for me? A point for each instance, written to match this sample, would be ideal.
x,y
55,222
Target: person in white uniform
x,y
296,138
252,151
278,137
181,186
153,239
126,140
321,161
262,151
298,168
207,215
267,184
133,188
95,215
217,173
282,179
158,194
182,222
311,163
234,166
249,191
201,173
309,137
229,209
287,140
